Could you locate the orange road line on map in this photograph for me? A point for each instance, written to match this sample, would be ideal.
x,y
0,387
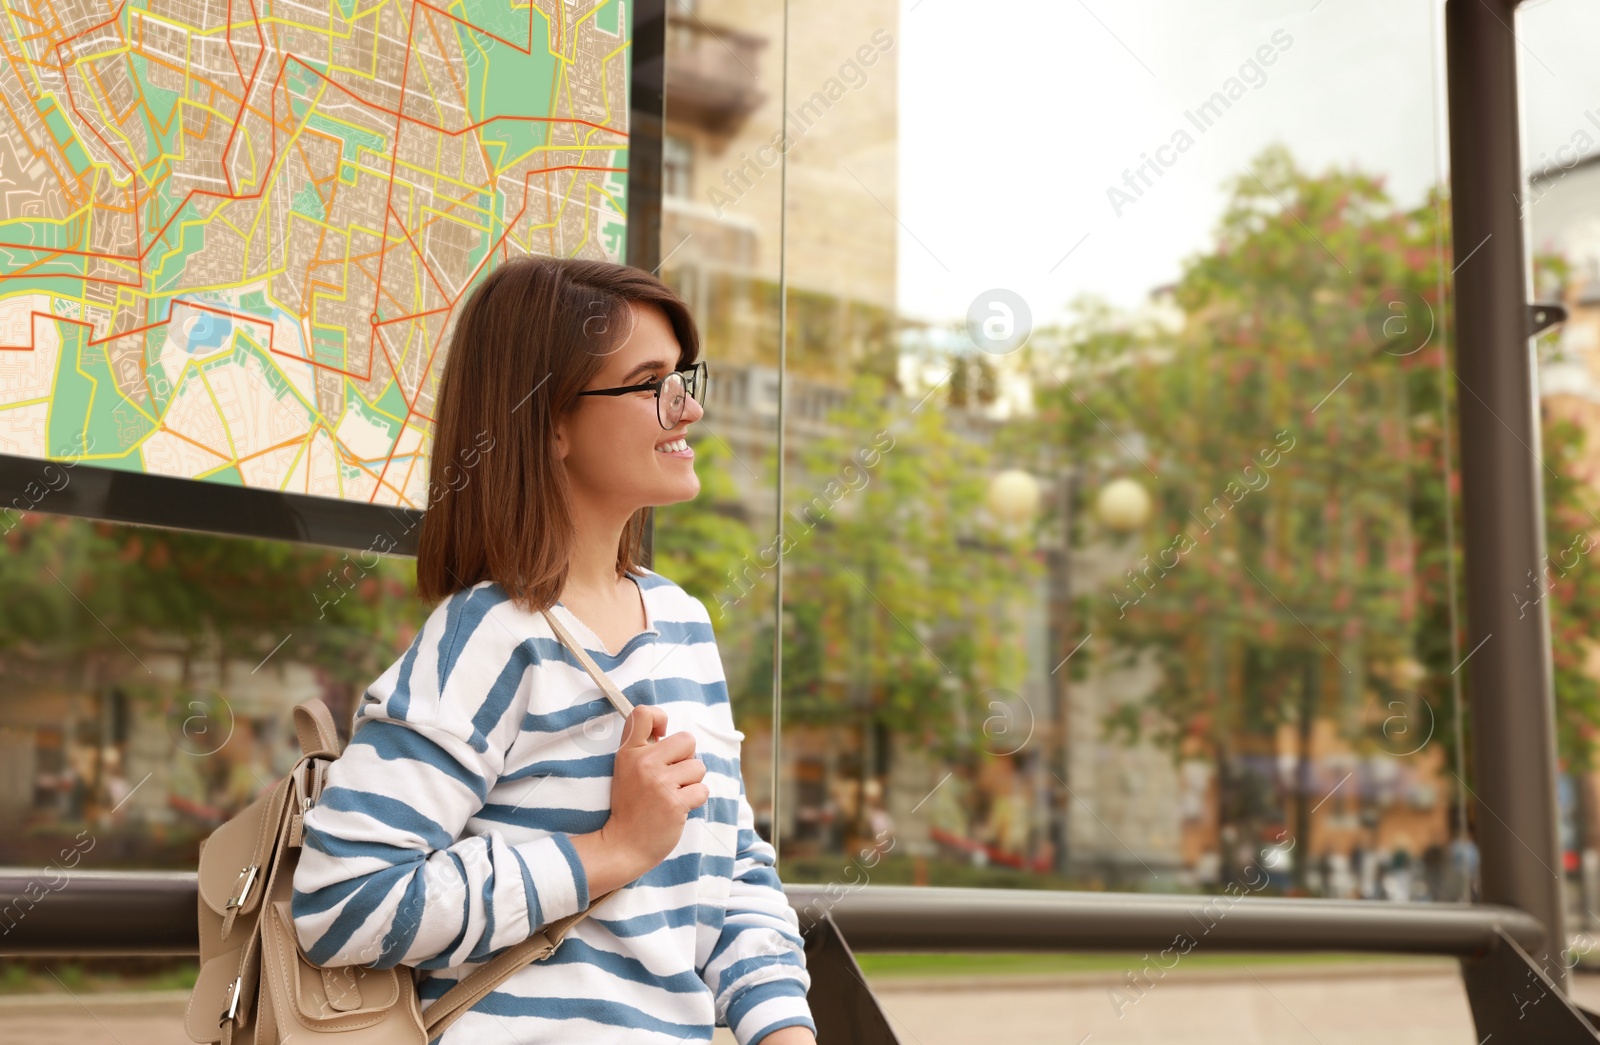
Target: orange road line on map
x,y
389,459
205,192
348,458
67,81
461,93
410,468
162,427
409,317
245,84
156,58
271,449
31,346
383,253
394,155
322,232
26,17
394,370
318,73
246,317
23,271
94,74
418,252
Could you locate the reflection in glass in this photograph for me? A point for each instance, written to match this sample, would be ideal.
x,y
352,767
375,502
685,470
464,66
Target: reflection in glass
x,y
1118,547
1561,218
149,677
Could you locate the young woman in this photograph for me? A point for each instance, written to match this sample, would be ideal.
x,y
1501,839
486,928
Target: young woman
x,y
489,787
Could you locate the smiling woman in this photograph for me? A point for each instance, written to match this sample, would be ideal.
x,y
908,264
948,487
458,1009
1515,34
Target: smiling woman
x,y
534,336
489,789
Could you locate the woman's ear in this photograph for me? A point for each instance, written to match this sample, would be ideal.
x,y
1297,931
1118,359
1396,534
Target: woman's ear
x,y
562,443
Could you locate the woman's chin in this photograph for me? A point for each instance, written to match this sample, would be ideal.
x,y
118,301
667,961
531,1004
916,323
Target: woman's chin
x,y
677,493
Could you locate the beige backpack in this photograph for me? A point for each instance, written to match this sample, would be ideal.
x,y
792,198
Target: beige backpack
x,y
256,986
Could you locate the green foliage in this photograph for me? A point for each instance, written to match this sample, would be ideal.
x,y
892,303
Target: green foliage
x,y
899,599
1297,563
1277,451
82,594
1570,588
1319,594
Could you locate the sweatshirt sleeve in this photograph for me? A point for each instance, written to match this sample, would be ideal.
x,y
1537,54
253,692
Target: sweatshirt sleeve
x,y
385,876
757,968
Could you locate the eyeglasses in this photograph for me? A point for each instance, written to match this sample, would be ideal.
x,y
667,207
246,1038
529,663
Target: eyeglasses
x,y
672,392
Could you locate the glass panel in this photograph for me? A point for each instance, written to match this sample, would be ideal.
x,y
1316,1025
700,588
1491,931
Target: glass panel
x,y
144,701
721,249
1118,552
1561,216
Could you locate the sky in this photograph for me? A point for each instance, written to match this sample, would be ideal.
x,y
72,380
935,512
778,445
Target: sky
x,y
1017,117
1559,74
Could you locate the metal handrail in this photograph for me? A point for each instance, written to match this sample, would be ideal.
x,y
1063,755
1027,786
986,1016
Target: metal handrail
x,y
107,913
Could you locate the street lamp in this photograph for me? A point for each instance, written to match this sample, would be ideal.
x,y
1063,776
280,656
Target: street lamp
x,y
1013,496
1123,505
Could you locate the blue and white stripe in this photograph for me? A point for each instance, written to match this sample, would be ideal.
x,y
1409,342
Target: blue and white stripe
x,y
443,835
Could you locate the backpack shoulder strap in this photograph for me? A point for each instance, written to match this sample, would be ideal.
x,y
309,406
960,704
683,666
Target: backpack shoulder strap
x,y
472,988
313,724
476,985
618,699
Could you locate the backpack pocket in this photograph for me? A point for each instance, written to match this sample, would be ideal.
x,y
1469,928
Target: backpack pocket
x,y
313,1000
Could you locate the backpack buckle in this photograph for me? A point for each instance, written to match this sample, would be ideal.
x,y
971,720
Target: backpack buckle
x,y
246,879
232,1011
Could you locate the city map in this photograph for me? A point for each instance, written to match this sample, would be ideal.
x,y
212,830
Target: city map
x,y
234,234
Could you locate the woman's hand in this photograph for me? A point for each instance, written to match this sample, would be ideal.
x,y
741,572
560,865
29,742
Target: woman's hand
x,y
653,788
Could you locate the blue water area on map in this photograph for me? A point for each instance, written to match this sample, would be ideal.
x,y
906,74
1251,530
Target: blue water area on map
x,y
209,331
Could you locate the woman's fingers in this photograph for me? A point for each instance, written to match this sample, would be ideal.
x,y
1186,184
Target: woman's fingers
x,y
681,774
694,796
645,724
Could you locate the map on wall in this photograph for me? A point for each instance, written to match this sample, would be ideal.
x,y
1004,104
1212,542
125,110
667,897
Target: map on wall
x,y
234,234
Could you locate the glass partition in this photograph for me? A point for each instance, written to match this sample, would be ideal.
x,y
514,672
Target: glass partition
x,y
148,677
1118,532
1107,362
1560,208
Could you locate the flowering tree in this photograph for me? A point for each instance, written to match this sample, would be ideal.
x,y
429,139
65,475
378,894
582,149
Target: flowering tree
x,y
1289,429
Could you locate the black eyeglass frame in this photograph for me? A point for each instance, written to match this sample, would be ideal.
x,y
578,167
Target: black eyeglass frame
x,y
694,384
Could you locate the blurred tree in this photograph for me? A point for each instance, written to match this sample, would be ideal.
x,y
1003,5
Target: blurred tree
x,y
1567,580
899,596
1292,450
700,544
97,598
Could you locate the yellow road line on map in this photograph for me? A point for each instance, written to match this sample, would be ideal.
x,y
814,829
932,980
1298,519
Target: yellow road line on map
x,y
289,472
25,402
211,393
375,408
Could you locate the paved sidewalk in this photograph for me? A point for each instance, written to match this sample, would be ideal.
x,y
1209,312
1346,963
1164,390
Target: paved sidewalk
x,y
1419,1003
1259,1004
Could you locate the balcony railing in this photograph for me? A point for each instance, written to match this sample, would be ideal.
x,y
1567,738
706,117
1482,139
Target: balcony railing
x,y
712,78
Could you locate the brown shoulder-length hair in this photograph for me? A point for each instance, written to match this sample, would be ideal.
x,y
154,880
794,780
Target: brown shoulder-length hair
x,y
531,336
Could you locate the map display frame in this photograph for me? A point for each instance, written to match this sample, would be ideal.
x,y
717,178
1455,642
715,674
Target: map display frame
x,y
234,235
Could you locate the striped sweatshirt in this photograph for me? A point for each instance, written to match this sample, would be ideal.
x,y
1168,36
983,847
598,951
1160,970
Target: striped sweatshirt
x,y
443,835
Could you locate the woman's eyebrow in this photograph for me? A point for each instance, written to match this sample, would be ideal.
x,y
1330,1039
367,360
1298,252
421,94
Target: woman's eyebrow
x,y
644,368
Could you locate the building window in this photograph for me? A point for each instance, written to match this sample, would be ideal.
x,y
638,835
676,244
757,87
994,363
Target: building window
x,y
677,163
